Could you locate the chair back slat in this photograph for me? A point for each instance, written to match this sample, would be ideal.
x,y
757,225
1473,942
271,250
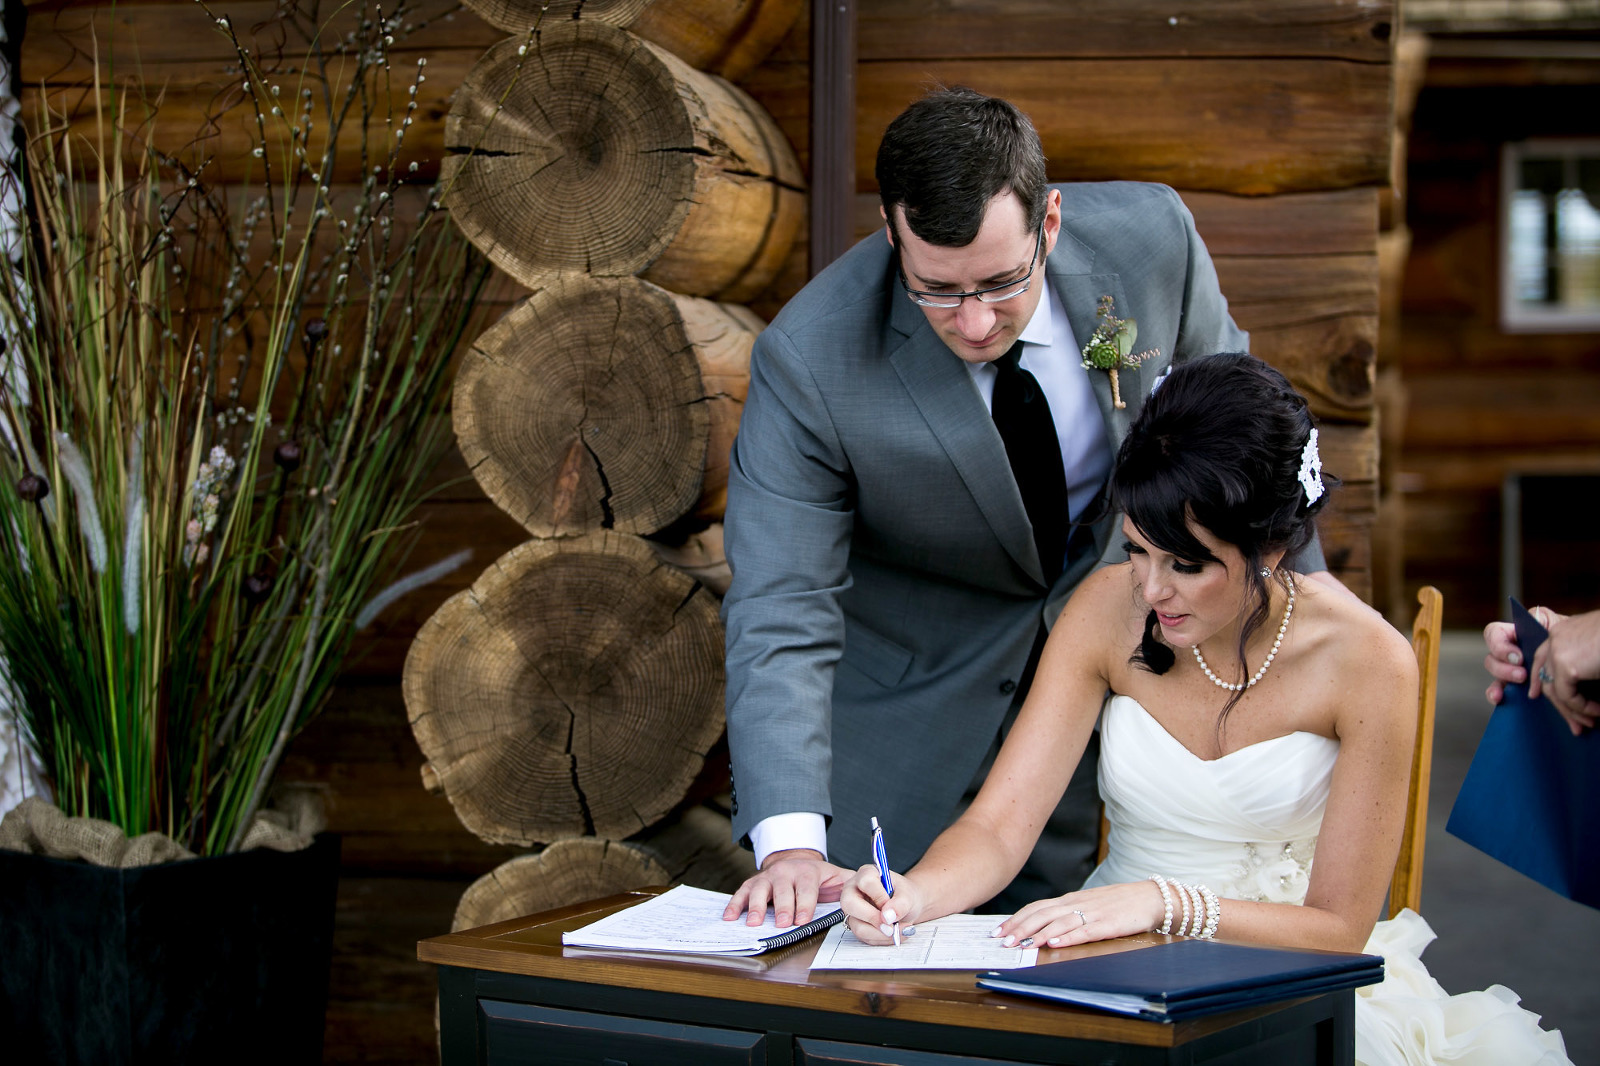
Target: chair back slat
x,y
1405,890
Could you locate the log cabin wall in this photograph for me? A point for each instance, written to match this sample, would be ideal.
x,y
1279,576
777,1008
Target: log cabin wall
x,y
1485,402
1271,118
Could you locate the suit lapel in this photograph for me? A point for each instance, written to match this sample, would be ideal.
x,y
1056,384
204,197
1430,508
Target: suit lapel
x,y
942,388
1071,268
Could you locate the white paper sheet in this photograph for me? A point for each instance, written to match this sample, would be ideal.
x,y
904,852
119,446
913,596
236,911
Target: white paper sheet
x,y
958,942
683,919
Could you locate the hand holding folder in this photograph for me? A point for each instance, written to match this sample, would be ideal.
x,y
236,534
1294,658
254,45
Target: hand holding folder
x,y
1531,797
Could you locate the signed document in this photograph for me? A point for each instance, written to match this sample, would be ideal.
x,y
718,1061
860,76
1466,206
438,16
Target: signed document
x,y
957,942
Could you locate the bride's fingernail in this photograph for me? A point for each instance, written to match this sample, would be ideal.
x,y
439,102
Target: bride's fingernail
x,y
890,916
1009,941
1027,942
995,931
1055,941
886,930
1515,658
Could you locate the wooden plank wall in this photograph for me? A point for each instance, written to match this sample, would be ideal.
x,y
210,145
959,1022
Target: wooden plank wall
x,y
1483,402
1271,117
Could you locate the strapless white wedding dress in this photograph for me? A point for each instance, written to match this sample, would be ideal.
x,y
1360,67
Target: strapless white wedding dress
x,y
1246,826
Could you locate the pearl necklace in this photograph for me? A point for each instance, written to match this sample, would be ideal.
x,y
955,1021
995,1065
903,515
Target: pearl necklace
x,y
1271,655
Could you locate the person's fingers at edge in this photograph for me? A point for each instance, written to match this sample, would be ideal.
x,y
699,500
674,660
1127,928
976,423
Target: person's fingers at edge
x,y
805,898
1503,671
760,896
737,903
1541,663
867,933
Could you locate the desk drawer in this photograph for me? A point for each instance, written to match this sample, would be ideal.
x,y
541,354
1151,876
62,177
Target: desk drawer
x,y
832,1053
523,1034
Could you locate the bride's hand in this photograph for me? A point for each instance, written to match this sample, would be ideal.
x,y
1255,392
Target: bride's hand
x,y
1079,917
871,913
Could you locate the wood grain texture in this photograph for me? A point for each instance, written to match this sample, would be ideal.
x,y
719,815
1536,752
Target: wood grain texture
x,y
592,150
575,689
1267,126
917,29
605,403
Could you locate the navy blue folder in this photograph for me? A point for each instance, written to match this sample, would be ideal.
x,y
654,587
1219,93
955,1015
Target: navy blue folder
x,y
1531,797
1188,978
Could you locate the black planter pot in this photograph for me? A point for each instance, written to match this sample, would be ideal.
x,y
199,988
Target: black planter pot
x,y
206,961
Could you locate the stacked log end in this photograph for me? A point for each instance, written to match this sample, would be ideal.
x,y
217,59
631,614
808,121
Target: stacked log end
x,y
605,403
571,699
575,689
592,150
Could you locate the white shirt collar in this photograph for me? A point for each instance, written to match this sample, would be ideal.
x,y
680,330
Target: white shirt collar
x,y
1041,327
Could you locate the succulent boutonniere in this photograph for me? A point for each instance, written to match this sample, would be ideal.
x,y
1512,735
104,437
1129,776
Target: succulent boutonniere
x,y
1111,345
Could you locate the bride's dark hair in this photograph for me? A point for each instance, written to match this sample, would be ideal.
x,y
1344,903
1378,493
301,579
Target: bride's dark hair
x,y
1220,442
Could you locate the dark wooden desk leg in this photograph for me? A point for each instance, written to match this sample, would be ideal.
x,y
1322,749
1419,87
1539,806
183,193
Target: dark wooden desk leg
x,y
458,1018
1336,1037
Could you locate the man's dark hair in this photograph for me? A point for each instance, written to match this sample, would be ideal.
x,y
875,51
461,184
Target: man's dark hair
x,y
947,155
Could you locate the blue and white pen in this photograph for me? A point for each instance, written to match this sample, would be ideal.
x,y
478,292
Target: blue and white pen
x,y
880,855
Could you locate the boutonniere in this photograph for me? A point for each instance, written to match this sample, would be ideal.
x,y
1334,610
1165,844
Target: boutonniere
x,y
1110,348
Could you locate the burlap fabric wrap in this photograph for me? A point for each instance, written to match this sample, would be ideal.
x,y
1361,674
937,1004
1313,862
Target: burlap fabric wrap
x,y
39,828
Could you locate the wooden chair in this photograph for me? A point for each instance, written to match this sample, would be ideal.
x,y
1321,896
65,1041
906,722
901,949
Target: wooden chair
x,y
1405,887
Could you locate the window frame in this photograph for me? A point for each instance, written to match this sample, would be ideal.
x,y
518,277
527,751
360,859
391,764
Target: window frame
x,y
1515,315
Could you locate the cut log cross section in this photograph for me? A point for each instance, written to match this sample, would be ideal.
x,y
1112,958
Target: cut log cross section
x,y
596,151
574,690
605,403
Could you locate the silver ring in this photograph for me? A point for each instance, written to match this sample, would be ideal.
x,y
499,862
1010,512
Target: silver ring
x,y
1081,918
1545,677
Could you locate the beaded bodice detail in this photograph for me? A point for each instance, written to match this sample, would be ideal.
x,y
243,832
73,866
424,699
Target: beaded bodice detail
x,y
1246,823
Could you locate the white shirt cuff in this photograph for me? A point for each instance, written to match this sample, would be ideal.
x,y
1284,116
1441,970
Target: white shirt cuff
x,y
797,829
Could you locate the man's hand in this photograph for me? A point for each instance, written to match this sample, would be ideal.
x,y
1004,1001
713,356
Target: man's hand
x,y
1571,655
792,882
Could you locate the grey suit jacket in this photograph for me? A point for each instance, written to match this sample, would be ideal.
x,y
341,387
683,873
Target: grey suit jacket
x,y
886,589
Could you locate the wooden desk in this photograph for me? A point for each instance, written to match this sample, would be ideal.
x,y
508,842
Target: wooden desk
x,y
511,993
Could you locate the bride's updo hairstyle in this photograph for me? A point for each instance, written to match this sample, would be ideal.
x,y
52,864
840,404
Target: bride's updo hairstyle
x,y
1219,442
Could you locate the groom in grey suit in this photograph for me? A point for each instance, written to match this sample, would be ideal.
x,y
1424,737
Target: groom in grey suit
x,y
888,592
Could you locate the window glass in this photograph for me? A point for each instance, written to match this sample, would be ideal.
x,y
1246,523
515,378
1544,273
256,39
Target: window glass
x,y
1551,228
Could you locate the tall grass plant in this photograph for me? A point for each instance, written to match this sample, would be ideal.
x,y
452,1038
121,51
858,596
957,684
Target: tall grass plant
x,y
221,407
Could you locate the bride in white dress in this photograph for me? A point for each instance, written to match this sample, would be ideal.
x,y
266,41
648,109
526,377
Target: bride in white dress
x,y
1256,745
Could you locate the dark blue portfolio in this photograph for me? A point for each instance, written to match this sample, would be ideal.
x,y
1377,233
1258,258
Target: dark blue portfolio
x,y
1531,797
1188,978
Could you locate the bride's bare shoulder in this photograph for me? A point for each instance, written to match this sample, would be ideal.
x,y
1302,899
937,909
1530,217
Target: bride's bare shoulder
x,y
1353,634
1106,603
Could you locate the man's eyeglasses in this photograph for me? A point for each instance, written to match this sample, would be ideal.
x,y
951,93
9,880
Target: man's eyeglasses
x,y
994,294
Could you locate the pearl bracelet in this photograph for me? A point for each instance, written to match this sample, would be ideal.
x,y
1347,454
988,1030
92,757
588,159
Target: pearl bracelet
x,y
1201,911
1166,900
1213,913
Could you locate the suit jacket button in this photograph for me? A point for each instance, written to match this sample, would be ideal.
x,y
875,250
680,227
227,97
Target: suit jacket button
x,y
1007,687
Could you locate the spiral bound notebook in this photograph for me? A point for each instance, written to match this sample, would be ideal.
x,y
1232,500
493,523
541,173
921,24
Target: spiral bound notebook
x,y
1188,978
688,921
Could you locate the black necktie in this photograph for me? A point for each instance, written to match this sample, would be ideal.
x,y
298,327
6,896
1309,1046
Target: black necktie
x,y
1022,415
